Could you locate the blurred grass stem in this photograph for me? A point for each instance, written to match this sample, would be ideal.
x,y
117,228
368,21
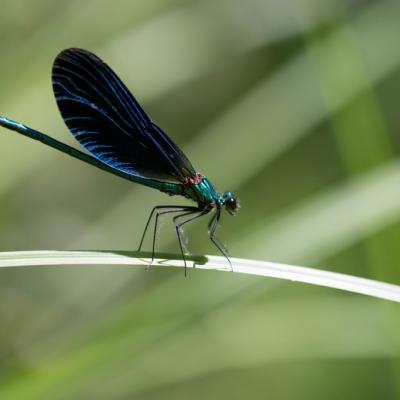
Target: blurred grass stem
x,y
252,267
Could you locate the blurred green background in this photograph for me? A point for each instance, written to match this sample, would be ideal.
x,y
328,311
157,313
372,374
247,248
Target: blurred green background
x,y
294,106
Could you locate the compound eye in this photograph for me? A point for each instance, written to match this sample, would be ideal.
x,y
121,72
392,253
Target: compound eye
x,y
231,204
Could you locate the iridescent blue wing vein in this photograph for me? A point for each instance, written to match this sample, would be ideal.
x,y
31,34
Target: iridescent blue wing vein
x,y
110,124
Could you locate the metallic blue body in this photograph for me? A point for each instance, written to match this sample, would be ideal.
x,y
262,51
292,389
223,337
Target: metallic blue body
x,y
204,194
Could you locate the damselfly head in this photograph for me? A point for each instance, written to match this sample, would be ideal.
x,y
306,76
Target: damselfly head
x,y
231,203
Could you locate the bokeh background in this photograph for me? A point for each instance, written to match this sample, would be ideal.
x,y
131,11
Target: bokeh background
x,y
294,106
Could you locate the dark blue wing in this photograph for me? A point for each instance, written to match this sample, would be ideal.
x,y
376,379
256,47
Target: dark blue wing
x,y
109,123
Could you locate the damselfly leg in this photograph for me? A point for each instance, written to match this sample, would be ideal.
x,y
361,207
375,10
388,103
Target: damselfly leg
x,y
161,211
212,230
179,232
162,214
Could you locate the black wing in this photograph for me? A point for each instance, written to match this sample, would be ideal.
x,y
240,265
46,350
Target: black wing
x,y
109,123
